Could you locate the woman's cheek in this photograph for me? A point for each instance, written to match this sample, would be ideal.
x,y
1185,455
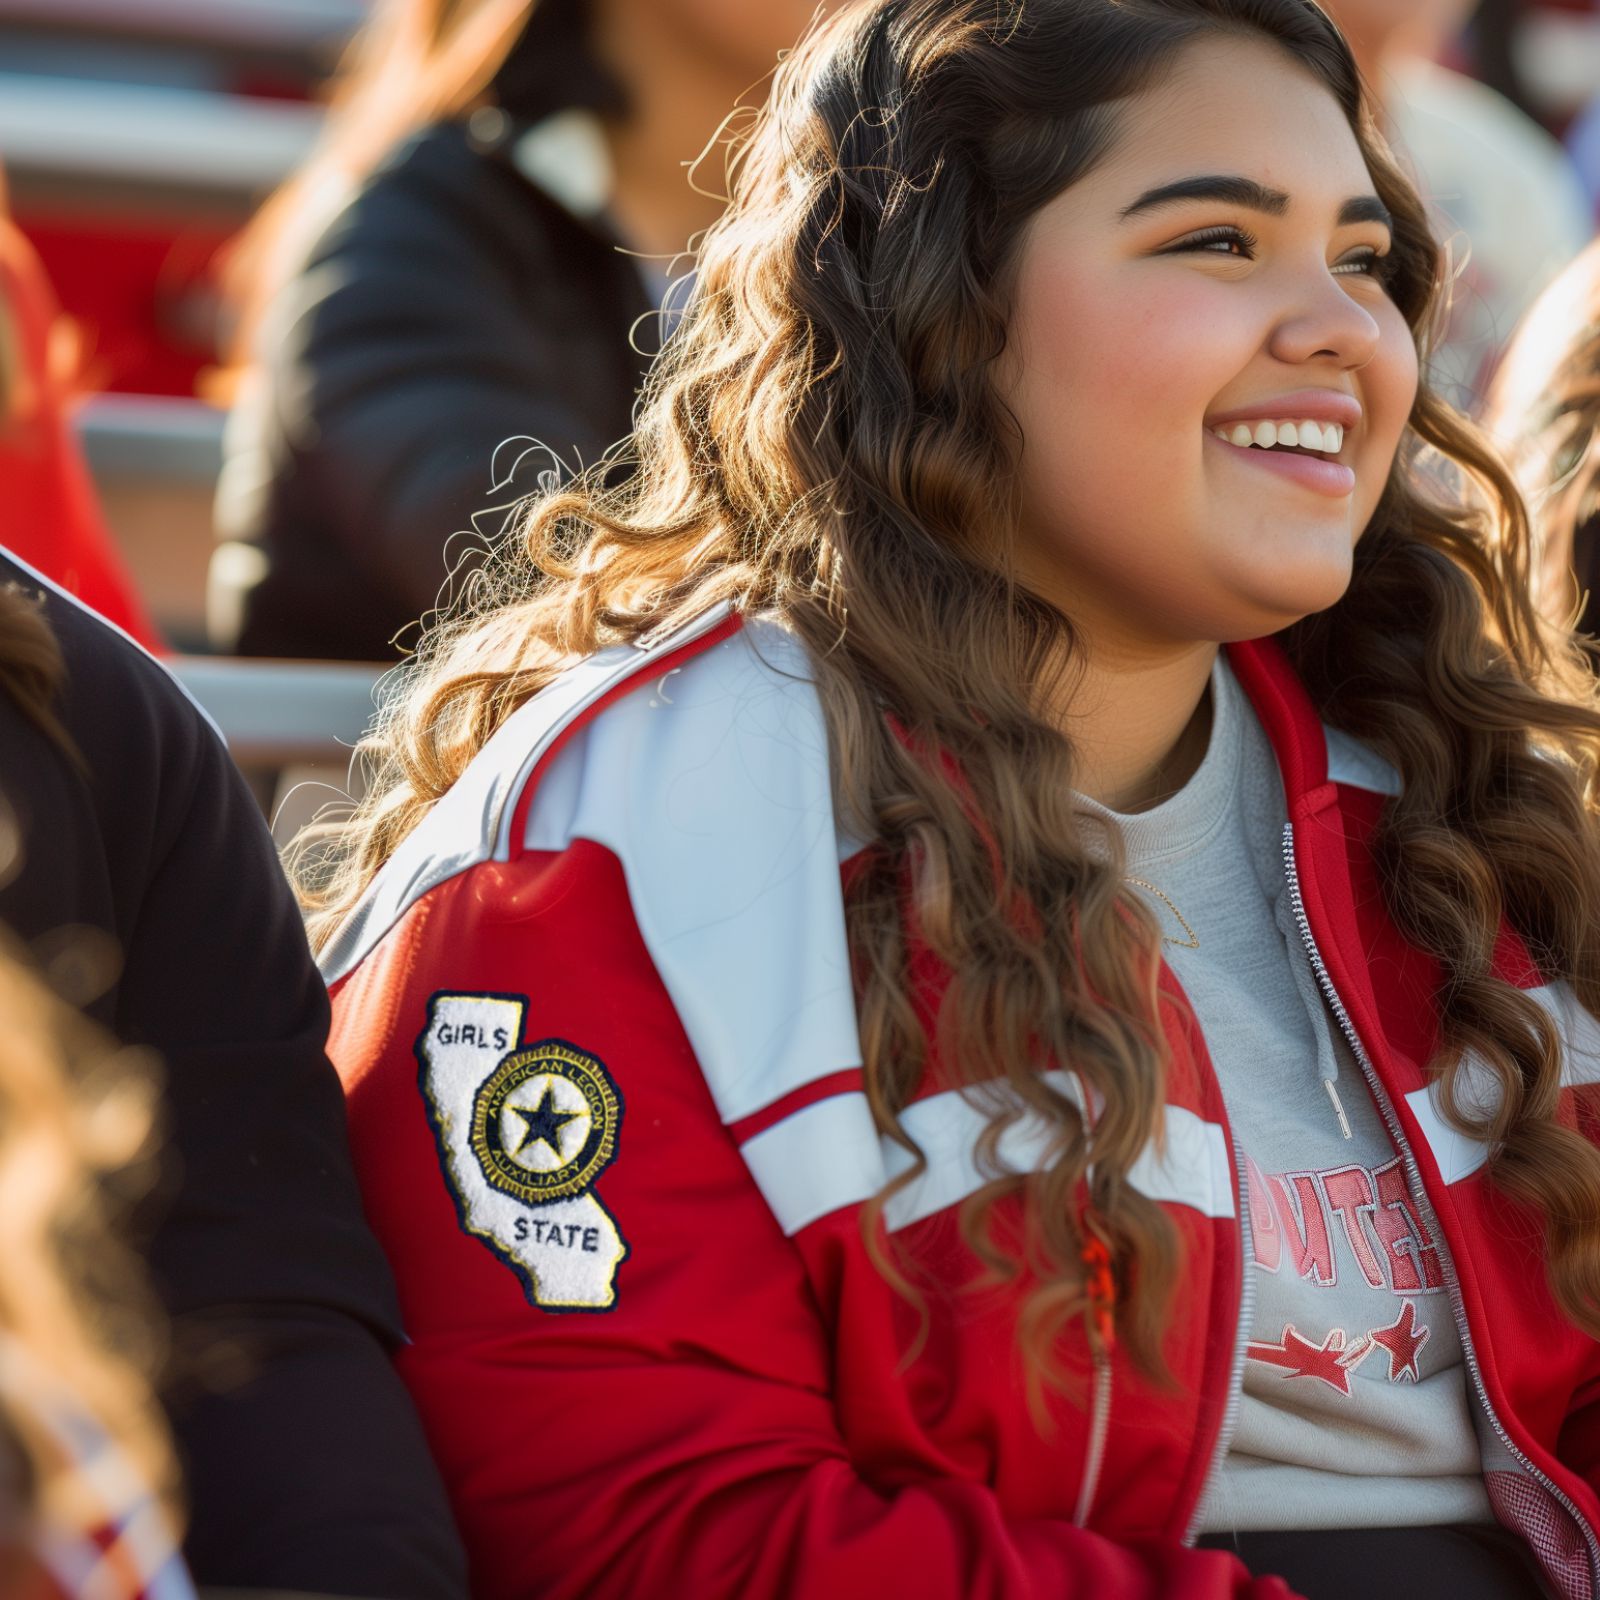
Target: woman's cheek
x,y
1401,374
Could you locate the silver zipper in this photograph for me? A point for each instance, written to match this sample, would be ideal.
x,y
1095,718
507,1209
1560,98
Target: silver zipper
x,y
1099,1427
1419,1195
1247,1303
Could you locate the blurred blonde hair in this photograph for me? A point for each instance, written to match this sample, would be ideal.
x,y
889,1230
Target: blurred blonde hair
x,y
75,1117
413,63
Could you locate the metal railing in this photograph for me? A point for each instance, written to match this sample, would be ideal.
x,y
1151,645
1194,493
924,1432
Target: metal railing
x,y
290,727
135,147
276,714
155,463
278,27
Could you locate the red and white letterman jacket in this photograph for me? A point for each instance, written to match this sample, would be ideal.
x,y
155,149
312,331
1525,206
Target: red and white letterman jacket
x,y
596,1024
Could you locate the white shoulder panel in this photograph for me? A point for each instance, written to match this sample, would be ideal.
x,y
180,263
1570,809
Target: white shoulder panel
x,y
1351,762
470,824
712,789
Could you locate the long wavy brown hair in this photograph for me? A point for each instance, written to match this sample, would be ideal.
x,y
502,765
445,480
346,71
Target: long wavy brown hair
x,y
822,441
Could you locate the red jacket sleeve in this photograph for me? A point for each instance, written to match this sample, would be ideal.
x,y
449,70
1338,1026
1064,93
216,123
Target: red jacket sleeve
x,y
684,1440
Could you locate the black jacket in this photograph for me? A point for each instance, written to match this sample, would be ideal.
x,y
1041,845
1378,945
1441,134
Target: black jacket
x,y
450,306
304,1463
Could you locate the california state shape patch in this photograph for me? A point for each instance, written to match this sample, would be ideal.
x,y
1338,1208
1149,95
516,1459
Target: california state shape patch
x,y
524,1131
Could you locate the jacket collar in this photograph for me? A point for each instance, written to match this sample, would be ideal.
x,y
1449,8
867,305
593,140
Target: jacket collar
x,y
1292,723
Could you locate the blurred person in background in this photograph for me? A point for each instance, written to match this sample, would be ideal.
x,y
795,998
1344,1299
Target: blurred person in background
x,y
1508,199
49,513
1583,146
88,1484
497,204
1504,195
138,873
1544,408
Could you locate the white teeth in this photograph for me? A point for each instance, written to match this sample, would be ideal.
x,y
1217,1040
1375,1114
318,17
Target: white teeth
x,y
1308,434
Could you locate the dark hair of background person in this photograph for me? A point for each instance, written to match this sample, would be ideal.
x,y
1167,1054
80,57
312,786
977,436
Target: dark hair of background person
x,y
31,668
1545,407
1492,40
822,440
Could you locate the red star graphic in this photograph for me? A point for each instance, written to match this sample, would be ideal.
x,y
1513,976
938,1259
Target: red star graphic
x,y
1330,1361
1404,1341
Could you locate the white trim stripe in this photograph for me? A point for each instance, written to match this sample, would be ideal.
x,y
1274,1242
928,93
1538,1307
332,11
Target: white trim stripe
x,y
828,1155
1351,763
1457,1154
825,1156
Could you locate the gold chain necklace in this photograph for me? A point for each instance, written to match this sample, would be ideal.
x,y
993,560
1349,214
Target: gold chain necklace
x,y
1193,941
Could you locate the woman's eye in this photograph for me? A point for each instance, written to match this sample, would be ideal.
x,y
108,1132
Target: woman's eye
x,y
1233,242
1365,263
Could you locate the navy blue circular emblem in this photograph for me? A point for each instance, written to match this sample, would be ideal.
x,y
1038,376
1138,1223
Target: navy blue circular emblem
x,y
544,1122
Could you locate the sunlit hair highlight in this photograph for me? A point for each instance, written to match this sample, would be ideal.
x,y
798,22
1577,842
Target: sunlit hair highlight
x,y
823,442
1544,406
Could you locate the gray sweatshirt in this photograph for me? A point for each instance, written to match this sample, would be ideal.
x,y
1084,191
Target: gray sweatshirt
x,y
1355,1411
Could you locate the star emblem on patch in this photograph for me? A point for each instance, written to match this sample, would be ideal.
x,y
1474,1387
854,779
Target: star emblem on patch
x,y
544,1122
543,1127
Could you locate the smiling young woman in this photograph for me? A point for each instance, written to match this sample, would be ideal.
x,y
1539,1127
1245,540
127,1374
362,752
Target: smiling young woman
x,y
983,974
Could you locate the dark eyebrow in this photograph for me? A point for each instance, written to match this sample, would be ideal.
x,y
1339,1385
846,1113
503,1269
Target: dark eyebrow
x,y
1252,195
1365,208
1233,191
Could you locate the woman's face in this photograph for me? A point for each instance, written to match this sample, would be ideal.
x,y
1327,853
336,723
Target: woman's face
x,y
1214,279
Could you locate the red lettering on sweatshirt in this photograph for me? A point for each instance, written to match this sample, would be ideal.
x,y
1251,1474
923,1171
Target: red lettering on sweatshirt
x,y
1301,1216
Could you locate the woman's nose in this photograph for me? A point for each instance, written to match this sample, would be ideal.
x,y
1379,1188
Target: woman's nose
x,y
1322,321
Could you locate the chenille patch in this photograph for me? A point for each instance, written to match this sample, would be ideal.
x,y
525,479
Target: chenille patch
x,y
524,1131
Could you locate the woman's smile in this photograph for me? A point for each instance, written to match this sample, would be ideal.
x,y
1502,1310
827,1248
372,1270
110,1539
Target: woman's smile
x,y
1319,472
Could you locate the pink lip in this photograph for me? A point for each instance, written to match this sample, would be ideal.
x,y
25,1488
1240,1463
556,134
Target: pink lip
x,y
1329,478
1318,405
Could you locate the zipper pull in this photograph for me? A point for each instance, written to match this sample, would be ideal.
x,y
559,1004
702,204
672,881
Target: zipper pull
x,y
1100,1287
1338,1106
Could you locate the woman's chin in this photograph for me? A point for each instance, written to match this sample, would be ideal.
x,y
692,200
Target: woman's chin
x,y
1288,593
